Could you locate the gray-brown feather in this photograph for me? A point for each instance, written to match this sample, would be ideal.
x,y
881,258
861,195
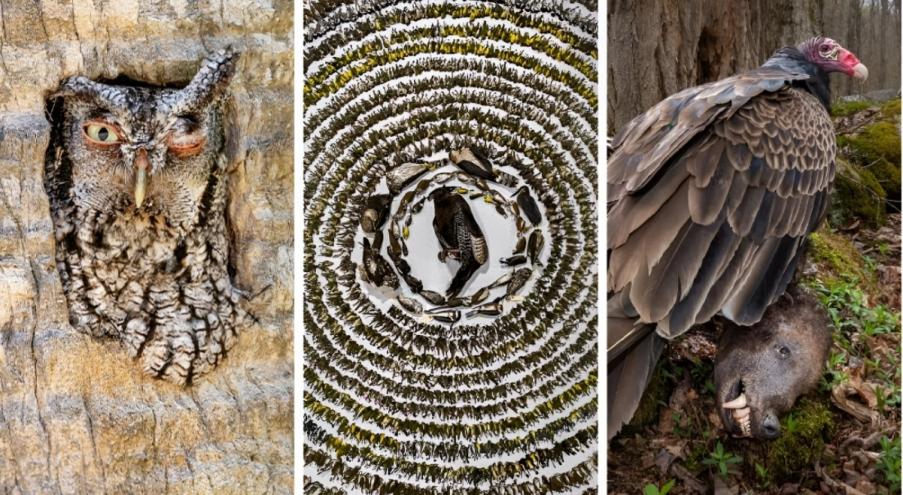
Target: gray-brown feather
x,y
713,192
156,278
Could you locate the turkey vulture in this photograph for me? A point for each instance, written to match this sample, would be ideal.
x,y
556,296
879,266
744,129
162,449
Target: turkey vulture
x,y
712,193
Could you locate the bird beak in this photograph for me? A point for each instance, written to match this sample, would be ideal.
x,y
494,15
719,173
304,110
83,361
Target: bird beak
x,y
141,166
855,67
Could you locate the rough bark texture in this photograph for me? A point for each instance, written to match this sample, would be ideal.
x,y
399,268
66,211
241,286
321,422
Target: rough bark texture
x,y
76,415
658,47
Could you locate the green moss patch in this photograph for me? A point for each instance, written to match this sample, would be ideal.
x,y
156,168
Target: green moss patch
x,y
802,440
838,259
888,175
844,108
868,165
876,141
857,194
891,109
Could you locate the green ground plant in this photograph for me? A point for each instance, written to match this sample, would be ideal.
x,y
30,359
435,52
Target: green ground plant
x,y
889,463
722,459
651,489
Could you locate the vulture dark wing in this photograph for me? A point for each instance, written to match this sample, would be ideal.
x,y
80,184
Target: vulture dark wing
x,y
712,193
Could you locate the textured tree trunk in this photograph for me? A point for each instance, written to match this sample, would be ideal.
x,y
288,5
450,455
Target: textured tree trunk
x,y
658,47
76,414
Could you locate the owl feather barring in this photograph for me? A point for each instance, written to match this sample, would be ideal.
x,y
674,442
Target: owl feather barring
x,y
136,178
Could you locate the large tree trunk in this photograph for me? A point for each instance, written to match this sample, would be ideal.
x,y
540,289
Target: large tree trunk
x,y
76,414
658,47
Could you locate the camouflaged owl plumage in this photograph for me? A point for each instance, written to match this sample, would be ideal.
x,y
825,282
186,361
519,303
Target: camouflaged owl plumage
x,y
136,177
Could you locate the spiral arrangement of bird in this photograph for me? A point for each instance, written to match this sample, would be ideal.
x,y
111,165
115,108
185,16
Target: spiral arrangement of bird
x,y
480,119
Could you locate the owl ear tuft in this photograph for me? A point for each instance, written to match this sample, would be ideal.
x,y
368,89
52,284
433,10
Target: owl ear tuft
x,y
209,83
81,86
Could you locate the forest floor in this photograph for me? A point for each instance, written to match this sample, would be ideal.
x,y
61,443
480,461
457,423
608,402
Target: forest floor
x,y
842,437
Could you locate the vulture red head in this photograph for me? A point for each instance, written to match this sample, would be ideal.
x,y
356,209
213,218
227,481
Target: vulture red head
x,y
831,57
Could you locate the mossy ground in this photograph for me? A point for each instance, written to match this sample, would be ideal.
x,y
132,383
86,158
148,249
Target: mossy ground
x,y
847,266
868,165
836,258
842,109
805,432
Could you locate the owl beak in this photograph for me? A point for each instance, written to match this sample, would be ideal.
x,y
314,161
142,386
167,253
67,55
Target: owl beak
x,y
141,166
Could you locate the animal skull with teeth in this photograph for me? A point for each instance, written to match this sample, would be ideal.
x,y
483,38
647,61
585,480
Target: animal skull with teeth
x,y
761,370
740,413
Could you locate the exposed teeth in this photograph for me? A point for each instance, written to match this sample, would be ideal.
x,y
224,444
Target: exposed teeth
x,y
738,403
742,417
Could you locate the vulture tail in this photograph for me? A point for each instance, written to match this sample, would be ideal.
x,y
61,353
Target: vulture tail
x,y
633,351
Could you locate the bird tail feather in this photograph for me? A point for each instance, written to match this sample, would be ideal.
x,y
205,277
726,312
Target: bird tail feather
x,y
634,349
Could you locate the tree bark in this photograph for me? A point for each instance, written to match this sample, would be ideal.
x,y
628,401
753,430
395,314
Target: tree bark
x,y
658,47
76,414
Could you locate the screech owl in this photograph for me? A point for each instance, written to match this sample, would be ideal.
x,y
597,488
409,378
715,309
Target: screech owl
x,y
136,178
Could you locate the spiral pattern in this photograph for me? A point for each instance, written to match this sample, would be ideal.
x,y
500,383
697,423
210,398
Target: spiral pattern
x,y
393,405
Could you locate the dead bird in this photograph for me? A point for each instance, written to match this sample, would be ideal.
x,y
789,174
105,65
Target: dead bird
x,y
515,260
410,304
518,280
402,265
459,235
478,296
376,210
535,245
466,178
413,282
433,297
503,280
399,177
455,302
493,309
447,317
528,205
496,199
375,269
407,198
474,162
443,177
422,186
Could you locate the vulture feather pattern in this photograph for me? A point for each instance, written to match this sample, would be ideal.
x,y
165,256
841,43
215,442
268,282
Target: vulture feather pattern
x,y
712,194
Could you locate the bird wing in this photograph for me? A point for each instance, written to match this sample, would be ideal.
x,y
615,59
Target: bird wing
x,y
444,223
713,193
648,141
529,207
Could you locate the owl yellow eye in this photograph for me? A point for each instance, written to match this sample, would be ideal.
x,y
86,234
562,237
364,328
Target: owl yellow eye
x,y
101,133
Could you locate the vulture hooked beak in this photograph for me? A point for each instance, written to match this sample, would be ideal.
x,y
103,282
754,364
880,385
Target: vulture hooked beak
x,y
141,166
854,68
